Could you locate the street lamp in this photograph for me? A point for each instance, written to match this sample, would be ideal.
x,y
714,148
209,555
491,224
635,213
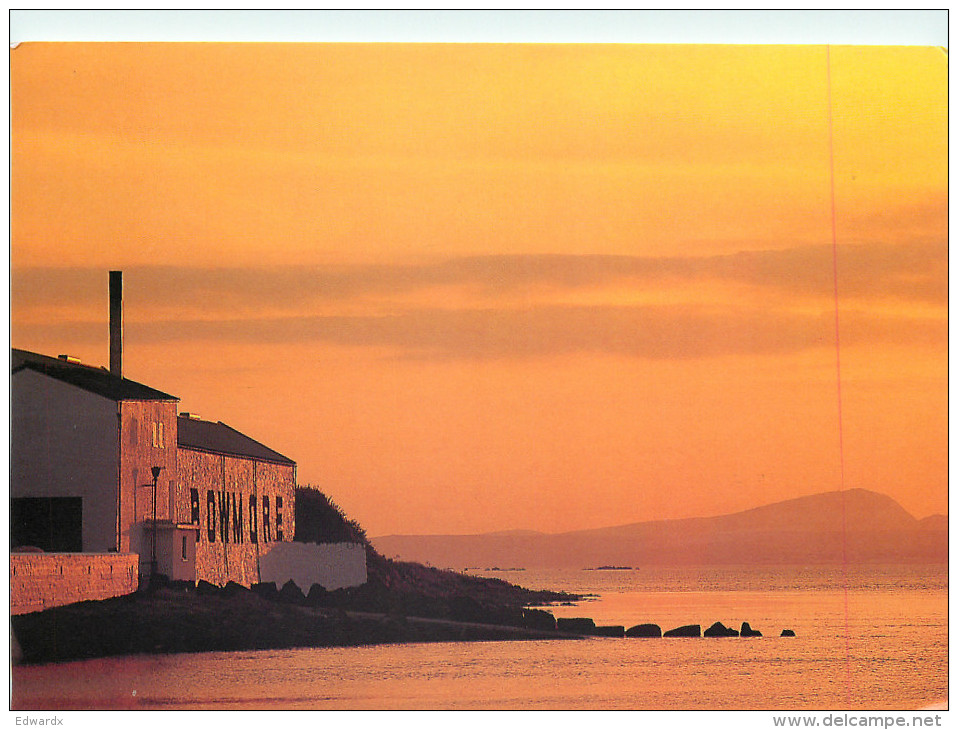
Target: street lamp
x,y
156,473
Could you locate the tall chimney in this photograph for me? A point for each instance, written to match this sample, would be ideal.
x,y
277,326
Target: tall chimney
x,y
116,323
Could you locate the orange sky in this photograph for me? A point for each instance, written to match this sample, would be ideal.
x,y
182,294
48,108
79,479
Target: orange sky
x,y
483,287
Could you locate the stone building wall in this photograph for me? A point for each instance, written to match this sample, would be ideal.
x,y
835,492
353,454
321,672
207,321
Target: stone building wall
x,y
42,580
242,506
147,439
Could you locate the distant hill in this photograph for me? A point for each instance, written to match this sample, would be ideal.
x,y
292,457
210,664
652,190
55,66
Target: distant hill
x,y
857,526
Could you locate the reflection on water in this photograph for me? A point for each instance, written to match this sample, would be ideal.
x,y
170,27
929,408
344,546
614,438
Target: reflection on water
x,y
893,656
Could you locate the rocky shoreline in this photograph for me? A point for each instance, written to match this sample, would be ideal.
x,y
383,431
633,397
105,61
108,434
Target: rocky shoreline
x,y
174,619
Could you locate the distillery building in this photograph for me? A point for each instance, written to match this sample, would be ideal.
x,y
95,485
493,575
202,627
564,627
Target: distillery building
x,y
104,466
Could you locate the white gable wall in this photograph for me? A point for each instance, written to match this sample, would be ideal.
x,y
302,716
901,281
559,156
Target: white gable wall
x,y
331,565
64,443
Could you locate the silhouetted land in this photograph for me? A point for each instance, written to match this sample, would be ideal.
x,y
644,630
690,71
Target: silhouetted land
x,y
400,602
856,526
176,619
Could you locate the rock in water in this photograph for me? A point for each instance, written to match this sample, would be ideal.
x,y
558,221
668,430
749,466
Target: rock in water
x,y
644,631
719,629
616,631
691,630
535,618
748,630
576,625
788,632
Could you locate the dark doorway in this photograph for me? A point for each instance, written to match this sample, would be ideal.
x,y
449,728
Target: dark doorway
x,y
54,524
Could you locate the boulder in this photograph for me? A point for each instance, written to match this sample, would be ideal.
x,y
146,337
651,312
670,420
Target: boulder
x,y
576,625
265,590
690,630
233,588
616,631
203,588
748,631
316,595
292,593
718,629
788,632
644,631
536,618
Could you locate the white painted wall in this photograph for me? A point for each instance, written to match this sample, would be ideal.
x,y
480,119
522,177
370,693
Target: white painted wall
x,y
170,560
63,443
332,565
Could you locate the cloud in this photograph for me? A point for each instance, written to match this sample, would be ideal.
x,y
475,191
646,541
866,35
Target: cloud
x,y
659,332
913,272
329,303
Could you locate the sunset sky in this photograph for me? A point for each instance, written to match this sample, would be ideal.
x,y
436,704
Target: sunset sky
x,y
484,287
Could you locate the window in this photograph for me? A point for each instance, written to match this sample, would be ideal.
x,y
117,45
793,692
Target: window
x,y
157,432
279,518
184,547
54,524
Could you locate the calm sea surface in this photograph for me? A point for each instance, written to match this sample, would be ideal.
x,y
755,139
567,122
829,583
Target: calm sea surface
x,y
874,638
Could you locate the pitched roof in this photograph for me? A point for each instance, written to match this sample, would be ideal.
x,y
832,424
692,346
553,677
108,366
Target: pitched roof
x,y
86,377
192,433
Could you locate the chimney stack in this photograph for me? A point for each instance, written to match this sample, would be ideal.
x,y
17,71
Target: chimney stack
x,y
116,323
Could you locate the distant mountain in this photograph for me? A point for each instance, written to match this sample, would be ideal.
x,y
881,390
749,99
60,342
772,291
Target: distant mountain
x,y
857,526
934,522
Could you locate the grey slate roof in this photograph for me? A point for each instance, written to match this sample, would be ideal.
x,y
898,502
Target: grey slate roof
x,y
193,433
86,377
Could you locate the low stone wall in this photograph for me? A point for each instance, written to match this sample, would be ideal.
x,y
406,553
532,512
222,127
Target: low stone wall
x,y
331,565
43,580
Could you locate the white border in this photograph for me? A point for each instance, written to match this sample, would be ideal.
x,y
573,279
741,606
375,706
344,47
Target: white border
x,y
862,27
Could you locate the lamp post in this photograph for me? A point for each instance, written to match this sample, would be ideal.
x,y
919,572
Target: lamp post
x,y
156,473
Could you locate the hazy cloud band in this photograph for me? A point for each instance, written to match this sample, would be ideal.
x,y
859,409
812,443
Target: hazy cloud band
x,y
673,332
914,272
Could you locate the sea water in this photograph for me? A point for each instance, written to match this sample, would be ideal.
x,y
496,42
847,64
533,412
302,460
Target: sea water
x,y
866,638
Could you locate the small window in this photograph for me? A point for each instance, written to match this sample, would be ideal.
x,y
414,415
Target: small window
x,y
279,518
184,547
157,432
